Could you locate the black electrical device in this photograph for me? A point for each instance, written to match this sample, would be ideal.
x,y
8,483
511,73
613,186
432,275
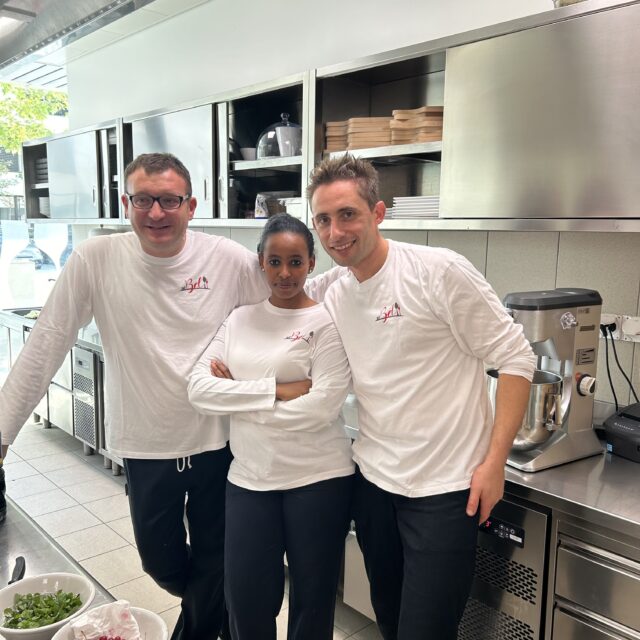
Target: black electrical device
x,y
622,432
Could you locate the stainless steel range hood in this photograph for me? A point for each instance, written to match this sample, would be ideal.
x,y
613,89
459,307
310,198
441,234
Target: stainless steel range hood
x,y
58,23
34,34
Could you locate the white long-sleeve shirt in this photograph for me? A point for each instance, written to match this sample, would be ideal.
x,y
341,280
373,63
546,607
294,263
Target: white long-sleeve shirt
x,y
155,317
277,444
419,335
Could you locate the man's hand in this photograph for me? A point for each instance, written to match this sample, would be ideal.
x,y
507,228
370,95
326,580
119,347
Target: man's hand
x,y
487,482
487,487
219,369
292,390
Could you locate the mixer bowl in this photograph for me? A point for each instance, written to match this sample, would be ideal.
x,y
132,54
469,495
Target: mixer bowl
x,y
542,416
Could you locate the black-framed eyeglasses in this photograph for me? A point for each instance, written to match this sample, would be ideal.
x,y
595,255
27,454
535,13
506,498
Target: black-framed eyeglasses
x,y
168,202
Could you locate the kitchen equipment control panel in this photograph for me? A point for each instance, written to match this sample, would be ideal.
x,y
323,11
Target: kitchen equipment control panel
x,y
505,530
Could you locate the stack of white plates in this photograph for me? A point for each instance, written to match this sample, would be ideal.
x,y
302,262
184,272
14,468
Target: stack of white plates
x,y
415,207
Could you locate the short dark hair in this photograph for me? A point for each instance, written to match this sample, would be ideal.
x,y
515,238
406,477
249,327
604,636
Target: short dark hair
x,y
285,223
152,163
347,167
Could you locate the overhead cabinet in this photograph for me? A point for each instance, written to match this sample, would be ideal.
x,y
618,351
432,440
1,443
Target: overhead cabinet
x,y
543,123
189,135
73,176
527,125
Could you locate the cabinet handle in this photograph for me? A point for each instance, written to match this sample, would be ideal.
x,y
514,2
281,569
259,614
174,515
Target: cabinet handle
x,y
206,189
93,194
602,556
220,188
611,627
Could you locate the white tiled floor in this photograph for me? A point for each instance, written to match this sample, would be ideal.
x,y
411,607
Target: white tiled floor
x,y
82,506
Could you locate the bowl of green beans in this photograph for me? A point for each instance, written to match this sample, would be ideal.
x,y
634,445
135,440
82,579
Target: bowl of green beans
x,y
35,607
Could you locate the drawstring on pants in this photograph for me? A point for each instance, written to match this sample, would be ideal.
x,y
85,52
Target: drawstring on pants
x,y
183,463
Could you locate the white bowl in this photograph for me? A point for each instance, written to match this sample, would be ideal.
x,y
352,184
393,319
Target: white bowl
x,y
45,583
151,625
248,153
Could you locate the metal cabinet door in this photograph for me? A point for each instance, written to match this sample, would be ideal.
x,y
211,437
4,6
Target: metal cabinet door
x,y
61,408
64,376
356,584
187,134
74,182
16,342
5,353
542,123
42,408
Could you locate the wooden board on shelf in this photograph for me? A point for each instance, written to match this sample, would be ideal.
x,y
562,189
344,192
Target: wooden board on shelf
x,y
404,114
416,123
371,120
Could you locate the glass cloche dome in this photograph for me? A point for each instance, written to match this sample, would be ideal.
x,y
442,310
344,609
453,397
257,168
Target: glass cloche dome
x,y
282,138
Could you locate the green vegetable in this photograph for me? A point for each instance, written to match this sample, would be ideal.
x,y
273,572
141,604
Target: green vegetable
x,y
35,610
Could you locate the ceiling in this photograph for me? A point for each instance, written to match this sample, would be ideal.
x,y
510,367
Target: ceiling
x,y
39,37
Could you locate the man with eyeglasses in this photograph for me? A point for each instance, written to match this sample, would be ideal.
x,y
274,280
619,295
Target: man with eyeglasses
x,y
158,296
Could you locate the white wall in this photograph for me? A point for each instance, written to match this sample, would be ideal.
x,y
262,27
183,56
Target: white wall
x,y
226,44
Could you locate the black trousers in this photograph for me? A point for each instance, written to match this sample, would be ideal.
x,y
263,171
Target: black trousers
x,y
194,571
310,524
419,554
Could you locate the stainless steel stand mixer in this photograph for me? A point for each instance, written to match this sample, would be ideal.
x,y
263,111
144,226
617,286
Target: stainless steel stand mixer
x,y
563,327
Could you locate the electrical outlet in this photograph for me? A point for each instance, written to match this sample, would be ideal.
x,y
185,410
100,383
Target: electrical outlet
x,y
627,328
612,318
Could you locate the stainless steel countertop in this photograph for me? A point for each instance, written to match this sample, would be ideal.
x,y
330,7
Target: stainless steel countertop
x,y
19,536
604,489
88,337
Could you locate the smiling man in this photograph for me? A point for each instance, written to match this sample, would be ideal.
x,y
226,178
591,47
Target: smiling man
x,y
418,325
158,296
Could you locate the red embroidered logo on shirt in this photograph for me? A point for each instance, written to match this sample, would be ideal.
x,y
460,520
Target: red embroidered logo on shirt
x,y
191,285
392,311
297,335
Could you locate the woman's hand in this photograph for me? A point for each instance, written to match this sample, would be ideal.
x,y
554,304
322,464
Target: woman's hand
x,y
219,369
292,390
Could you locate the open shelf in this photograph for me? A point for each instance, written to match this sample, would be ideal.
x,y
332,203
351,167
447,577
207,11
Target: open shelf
x,y
288,163
415,150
